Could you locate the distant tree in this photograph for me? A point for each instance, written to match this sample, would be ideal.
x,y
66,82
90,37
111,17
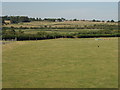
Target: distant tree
x,y
103,21
63,19
32,19
37,19
16,19
97,20
112,21
75,20
93,20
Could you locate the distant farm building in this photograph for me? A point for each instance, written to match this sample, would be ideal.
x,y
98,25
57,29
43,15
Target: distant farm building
x,y
59,20
7,22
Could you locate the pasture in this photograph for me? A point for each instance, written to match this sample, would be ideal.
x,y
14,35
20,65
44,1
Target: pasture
x,y
63,27
61,63
59,24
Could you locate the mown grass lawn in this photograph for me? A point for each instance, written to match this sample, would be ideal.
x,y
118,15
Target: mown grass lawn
x,y
61,63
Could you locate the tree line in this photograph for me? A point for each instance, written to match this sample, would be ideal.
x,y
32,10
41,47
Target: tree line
x,y
18,19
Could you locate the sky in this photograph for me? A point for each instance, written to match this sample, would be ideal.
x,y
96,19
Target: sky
x,y
68,10
60,0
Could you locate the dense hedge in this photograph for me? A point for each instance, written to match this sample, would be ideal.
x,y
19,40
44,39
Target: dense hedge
x,y
97,35
44,35
20,35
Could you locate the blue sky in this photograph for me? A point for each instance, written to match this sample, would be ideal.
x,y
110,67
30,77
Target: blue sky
x,y
68,10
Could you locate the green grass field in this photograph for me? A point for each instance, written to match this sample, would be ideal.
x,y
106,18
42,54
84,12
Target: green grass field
x,y
61,63
34,31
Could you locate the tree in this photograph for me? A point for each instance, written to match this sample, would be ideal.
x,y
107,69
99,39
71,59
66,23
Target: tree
x,y
112,21
94,20
40,19
75,20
